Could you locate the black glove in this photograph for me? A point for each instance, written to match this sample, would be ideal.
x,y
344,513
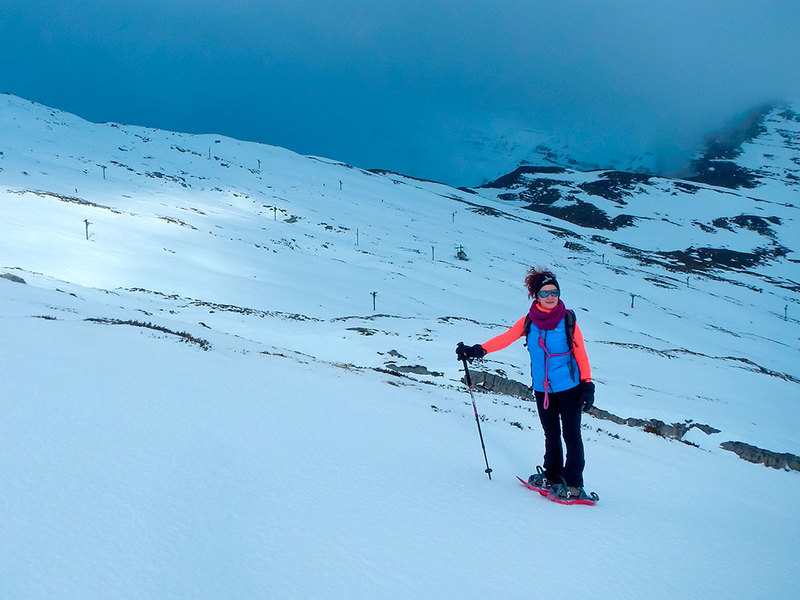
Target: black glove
x,y
586,399
469,352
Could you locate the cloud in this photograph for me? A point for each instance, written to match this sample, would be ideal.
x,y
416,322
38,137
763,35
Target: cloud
x,y
401,85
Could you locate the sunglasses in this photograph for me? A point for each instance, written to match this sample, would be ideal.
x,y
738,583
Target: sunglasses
x,y
545,294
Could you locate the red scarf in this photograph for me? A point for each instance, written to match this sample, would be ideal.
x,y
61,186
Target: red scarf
x,y
547,320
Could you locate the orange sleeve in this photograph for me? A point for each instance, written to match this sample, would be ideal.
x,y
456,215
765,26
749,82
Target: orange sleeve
x,y
579,351
506,339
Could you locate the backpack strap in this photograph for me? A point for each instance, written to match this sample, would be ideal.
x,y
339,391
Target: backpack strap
x,y
526,329
569,325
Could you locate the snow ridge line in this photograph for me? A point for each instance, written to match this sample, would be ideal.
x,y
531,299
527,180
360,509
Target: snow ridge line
x,y
186,337
670,353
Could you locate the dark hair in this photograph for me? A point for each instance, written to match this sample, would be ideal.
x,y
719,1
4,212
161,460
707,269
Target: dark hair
x,y
537,278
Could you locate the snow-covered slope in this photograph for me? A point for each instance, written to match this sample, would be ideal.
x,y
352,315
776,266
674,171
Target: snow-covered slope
x,y
229,372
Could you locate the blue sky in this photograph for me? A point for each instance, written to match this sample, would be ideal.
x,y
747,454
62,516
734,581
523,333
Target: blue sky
x,y
396,85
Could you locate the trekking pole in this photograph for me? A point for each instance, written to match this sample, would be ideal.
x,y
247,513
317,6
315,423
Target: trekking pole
x,y
477,420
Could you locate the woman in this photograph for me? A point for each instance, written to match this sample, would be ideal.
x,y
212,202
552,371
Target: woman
x,y
562,381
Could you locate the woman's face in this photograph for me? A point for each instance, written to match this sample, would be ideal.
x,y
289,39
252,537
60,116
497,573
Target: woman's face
x,y
549,301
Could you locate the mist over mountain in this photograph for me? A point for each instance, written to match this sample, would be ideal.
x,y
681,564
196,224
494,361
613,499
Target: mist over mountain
x,y
454,95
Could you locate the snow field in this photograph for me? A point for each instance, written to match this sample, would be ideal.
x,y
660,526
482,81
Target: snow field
x,y
169,471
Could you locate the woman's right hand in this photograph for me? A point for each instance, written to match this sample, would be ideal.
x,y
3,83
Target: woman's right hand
x,y
469,352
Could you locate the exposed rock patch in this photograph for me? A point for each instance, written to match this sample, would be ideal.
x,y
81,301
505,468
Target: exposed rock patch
x,y
13,278
414,369
753,454
491,382
674,431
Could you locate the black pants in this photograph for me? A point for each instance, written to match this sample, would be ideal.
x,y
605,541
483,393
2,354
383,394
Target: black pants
x,y
562,417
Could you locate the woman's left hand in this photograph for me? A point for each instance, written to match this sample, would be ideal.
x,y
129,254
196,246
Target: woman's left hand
x,y
587,395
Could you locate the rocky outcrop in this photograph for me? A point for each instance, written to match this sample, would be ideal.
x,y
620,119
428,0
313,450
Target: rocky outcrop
x,y
491,382
753,454
413,369
674,431
11,277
